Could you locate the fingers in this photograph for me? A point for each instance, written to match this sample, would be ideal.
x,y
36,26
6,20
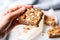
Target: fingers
x,y
14,8
16,13
9,10
27,6
19,6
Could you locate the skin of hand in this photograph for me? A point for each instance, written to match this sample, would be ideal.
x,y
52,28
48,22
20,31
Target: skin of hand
x,y
11,14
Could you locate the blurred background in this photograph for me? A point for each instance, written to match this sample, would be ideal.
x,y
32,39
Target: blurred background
x,y
42,4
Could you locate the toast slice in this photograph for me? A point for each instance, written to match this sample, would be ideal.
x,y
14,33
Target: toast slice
x,y
31,17
48,20
54,32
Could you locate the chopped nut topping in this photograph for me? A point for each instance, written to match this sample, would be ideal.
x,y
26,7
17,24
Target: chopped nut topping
x,y
54,32
31,13
31,17
27,28
48,20
36,9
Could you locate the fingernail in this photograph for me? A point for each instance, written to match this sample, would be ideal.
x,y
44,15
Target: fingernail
x,y
23,8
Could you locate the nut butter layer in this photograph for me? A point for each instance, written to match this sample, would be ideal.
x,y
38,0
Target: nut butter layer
x,y
54,32
31,17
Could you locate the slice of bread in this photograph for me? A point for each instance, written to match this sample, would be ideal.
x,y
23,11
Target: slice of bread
x,y
48,20
31,17
54,32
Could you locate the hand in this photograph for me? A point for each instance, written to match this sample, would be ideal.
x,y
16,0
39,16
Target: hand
x,y
10,14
